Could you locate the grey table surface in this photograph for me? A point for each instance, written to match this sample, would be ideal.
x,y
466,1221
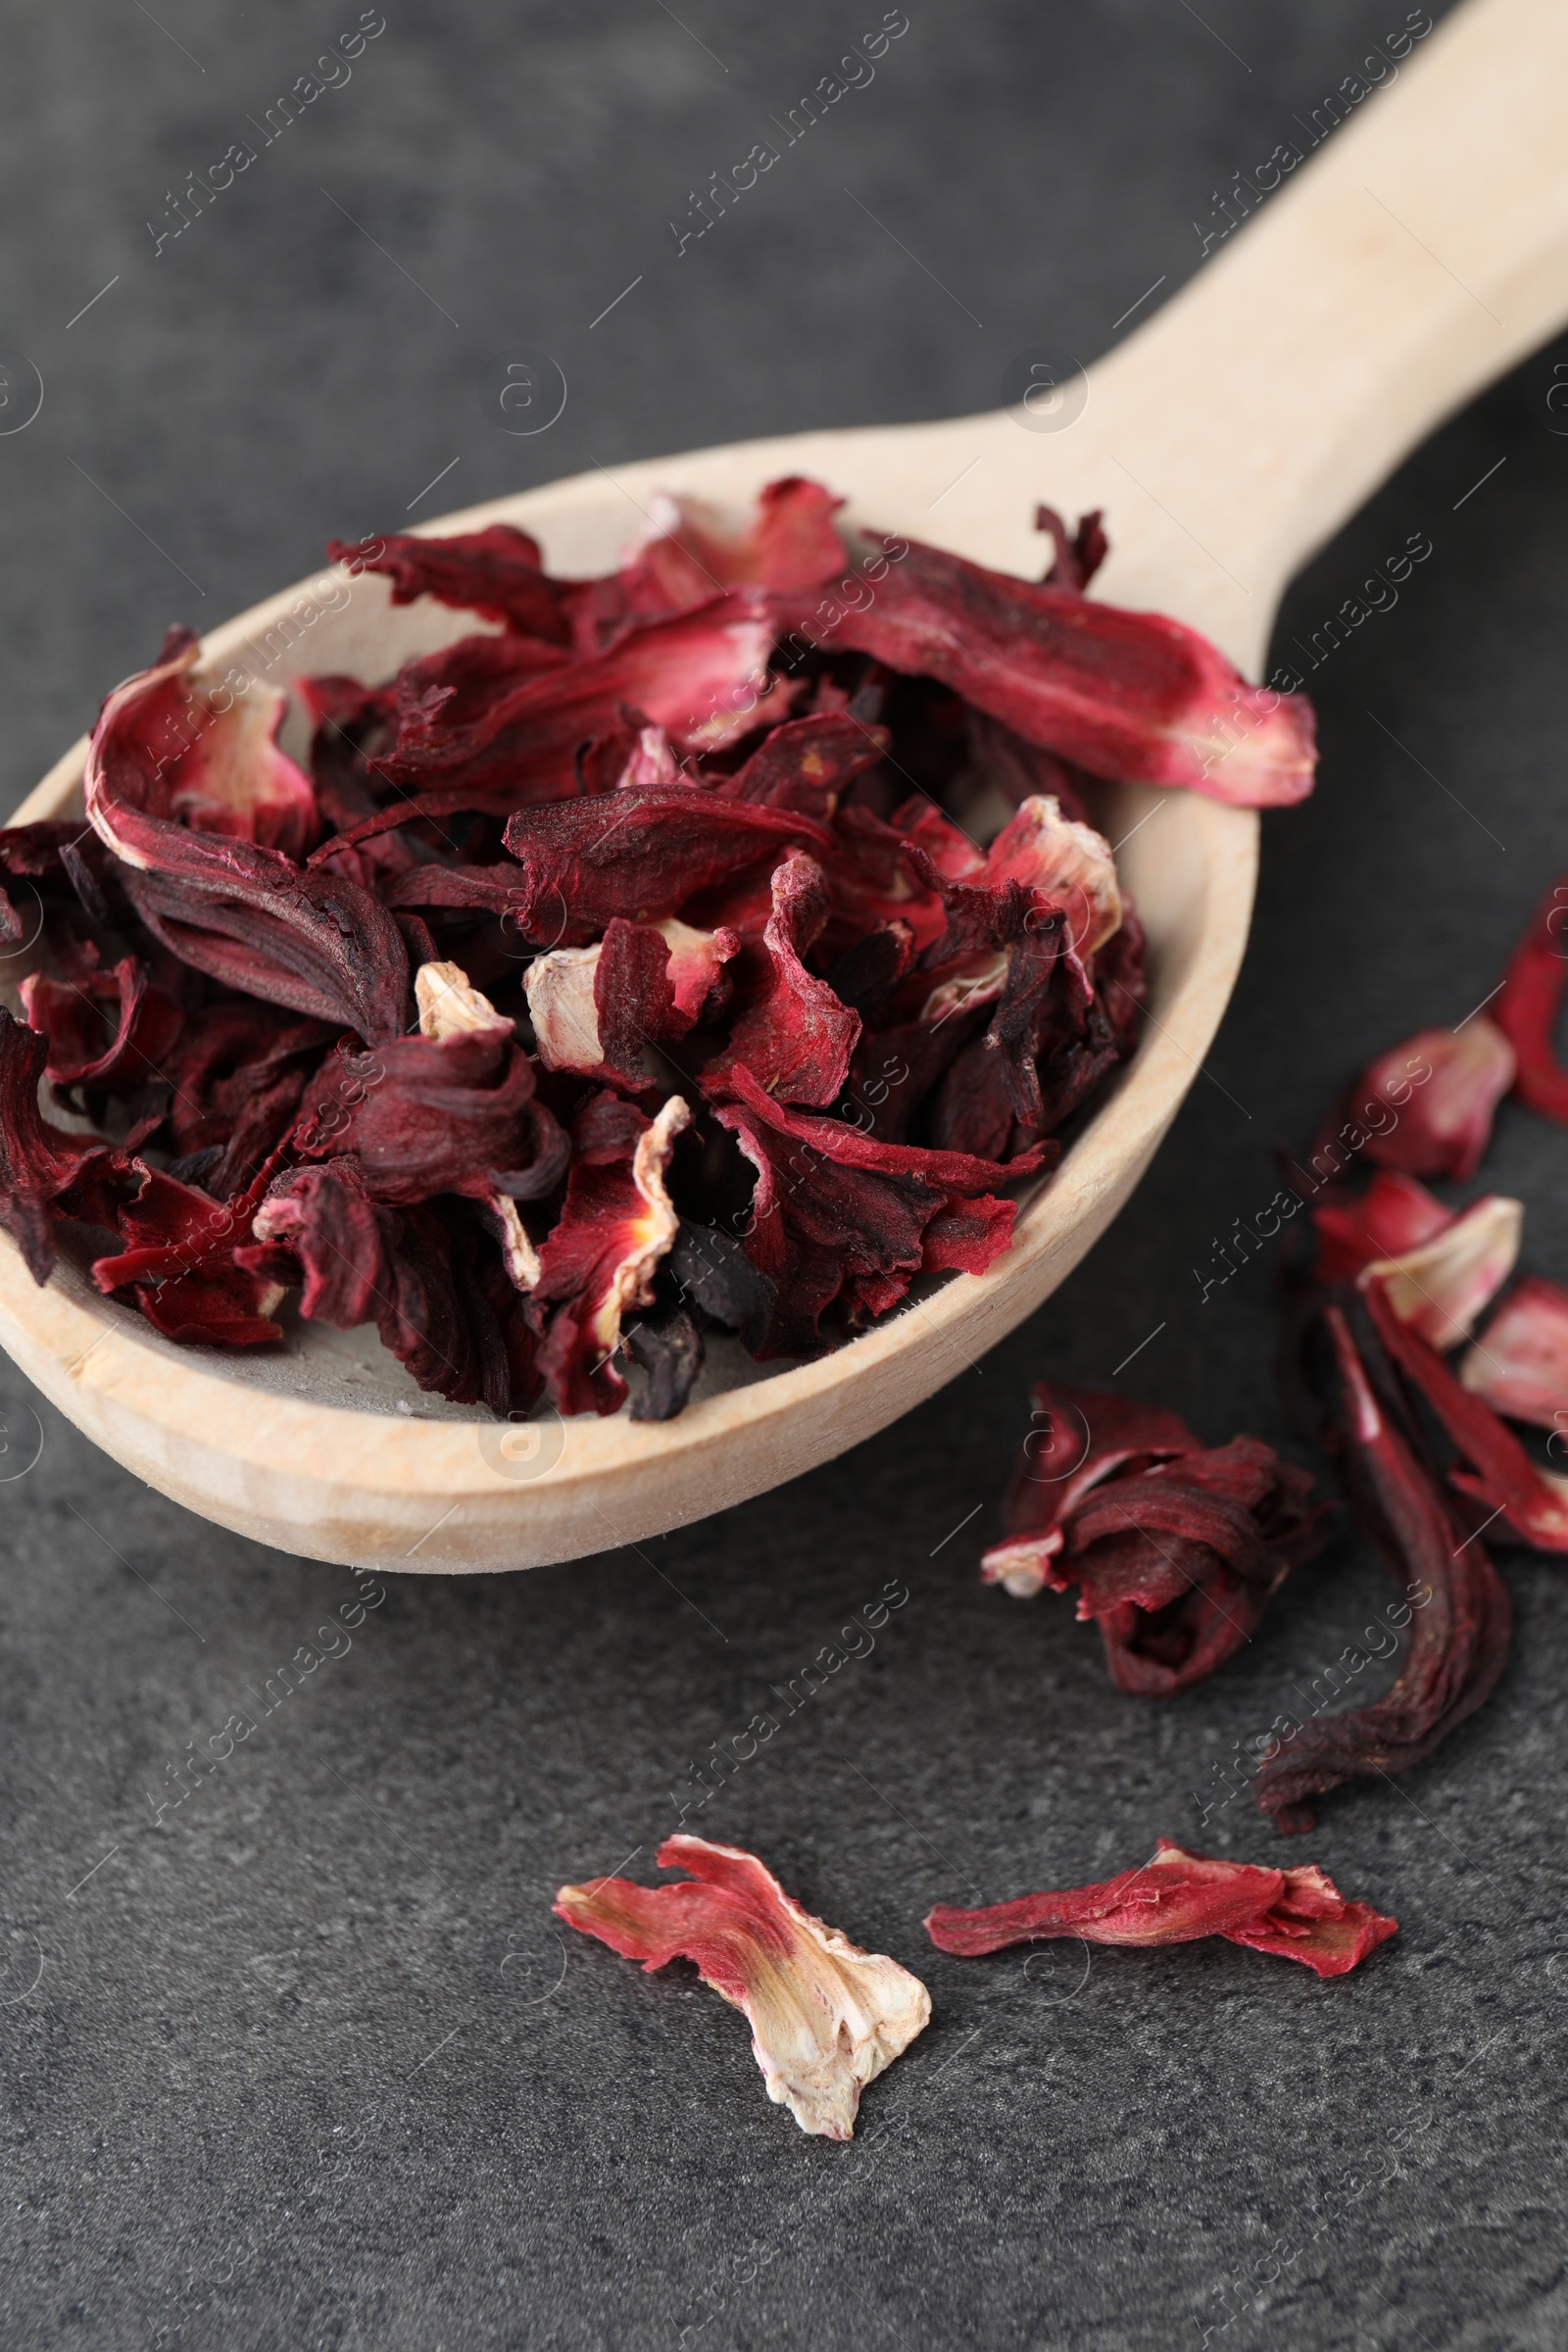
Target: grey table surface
x,y
307,2064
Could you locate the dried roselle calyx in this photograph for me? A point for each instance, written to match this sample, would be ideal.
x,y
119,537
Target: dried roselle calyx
x,y
1526,1009
826,2018
1443,1086
1178,1898
40,1164
1438,1283
1519,1366
1176,1549
1459,1612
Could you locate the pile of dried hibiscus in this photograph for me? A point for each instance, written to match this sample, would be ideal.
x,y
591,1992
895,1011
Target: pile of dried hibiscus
x,y
635,952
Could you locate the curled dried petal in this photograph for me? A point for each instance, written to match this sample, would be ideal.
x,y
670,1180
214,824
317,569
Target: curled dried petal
x,y
1440,1286
1446,1125
826,2018
1392,1216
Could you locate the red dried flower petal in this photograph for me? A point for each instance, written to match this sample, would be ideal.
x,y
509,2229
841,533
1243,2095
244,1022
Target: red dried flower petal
x,y
1530,1003
1131,695
790,543
797,1039
1176,1547
1521,1366
839,1219
1462,1619
224,901
641,855
826,2018
1180,1897
1440,1286
700,677
38,1163
113,1029
1501,1475
1392,1216
805,764
1446,1125
423,1115
601,1258
496,573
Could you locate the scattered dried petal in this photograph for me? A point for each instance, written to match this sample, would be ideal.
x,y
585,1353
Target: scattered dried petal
x,y
1446,1123
1521,1366
826,2018
1440,1286
1179,1897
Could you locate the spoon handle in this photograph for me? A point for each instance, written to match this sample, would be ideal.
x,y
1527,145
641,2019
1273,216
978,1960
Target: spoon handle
x,y
1418,256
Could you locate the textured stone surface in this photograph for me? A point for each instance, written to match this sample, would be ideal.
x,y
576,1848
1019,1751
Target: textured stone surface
x,y
308,2065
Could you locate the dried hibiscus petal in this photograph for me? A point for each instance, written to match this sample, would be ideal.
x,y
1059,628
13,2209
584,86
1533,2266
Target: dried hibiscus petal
x,y
641,855
1520,1367
615,1227
1445,1127
1461,1617
1132,695
496,573
111,1029
1392,1216
1175,1547
595,1009
842,1221
1530,1003
1497,1474
826,2018
796,1039
1178,1898
1440,1286
38,1163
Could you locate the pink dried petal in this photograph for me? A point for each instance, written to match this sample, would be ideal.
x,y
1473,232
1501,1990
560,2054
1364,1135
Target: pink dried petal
x,y
564,1000
826,2018
1440,1286
797,1039
1520,1367
1068,864
1130,695
1313,1923
790,543
1501,1476
1446,1123
1392,1216
1530,1001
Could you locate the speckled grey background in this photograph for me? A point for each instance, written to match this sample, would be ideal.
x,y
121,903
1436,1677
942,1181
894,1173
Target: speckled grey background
x,y
307,2065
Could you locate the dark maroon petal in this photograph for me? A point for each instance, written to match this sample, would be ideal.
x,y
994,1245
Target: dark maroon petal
x,y
1079,553
114,1030
494,572
841,1221
712,1268
38,1163
641,855
797,1039
1132,695
1531,1001
422,1115
805,764
670,1352
1462,1619
216,1306
1495,1472
412,1272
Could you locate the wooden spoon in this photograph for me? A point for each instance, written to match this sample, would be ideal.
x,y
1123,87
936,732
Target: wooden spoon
x,y
1418,257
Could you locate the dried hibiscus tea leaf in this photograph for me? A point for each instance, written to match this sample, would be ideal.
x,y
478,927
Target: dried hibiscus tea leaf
x,y
1178,1898
1519,1366
1442,1285
1132,695
826,2018
40,1164
494,572
1457,1605
1176,1549
1528,1007
1445,1086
